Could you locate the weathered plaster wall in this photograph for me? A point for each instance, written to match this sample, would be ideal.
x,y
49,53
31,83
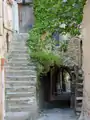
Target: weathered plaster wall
x,y
5,27
86,59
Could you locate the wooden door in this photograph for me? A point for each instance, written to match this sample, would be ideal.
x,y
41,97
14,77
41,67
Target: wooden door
x,y
26,18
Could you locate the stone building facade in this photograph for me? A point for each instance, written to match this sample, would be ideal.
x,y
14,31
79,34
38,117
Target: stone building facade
x,y
73,55
6,31
86,61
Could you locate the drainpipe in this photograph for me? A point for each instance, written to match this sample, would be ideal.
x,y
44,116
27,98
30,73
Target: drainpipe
x,y
7,41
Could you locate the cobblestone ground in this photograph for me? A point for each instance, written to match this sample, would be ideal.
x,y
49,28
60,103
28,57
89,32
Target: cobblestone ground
x,y
58,114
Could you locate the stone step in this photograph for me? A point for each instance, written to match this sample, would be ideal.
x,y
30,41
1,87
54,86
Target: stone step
x,y
19,40
79,98
78,109
19,55
80,90
20,71
80,72
21,68
21,79
19,59
79,87
81,84
18,94
19,37
19,103
18,43
21,89
20,108
21,99
19,52
18,48
22,76
17,72
79,104
17,115
17,64
80,78
20,84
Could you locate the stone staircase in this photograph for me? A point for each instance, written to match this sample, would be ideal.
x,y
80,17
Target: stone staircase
x,y
20,82
79,92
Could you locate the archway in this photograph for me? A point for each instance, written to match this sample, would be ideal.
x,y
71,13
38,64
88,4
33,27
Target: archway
x,y
56,88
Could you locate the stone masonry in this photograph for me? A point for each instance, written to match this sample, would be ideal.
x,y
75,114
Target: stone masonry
x,y
20,81
74,51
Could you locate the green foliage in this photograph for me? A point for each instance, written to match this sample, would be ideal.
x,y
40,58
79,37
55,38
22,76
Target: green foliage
x,y
63,16
41,52
51,14
46,59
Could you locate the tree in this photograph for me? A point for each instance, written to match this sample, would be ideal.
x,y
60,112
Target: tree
x,y
62,16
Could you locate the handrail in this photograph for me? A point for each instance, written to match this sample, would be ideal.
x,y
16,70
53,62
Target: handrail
x,y
8,28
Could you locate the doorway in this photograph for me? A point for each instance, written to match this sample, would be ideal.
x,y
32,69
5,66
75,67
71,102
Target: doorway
x,y
26,17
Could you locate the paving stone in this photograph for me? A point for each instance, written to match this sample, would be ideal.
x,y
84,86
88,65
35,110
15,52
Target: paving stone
x,y
57,114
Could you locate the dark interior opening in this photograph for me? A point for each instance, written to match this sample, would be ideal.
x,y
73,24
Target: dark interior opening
x,y
53,96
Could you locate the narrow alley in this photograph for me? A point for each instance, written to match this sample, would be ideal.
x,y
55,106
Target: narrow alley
x,y
20,90
44,60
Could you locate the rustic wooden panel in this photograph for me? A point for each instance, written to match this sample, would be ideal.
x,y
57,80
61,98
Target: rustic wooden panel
x,y
19,10
26,18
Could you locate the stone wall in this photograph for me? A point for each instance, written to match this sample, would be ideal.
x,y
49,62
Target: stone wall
x,y
86,60
74,52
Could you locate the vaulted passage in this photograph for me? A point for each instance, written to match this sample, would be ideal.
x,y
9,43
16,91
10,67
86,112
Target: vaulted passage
x,y
62,87
56,88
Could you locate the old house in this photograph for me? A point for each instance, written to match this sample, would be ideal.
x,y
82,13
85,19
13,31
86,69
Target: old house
x,y
6,31
86,61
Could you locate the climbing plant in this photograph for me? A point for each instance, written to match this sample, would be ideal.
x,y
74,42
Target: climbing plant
x,y
62,16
